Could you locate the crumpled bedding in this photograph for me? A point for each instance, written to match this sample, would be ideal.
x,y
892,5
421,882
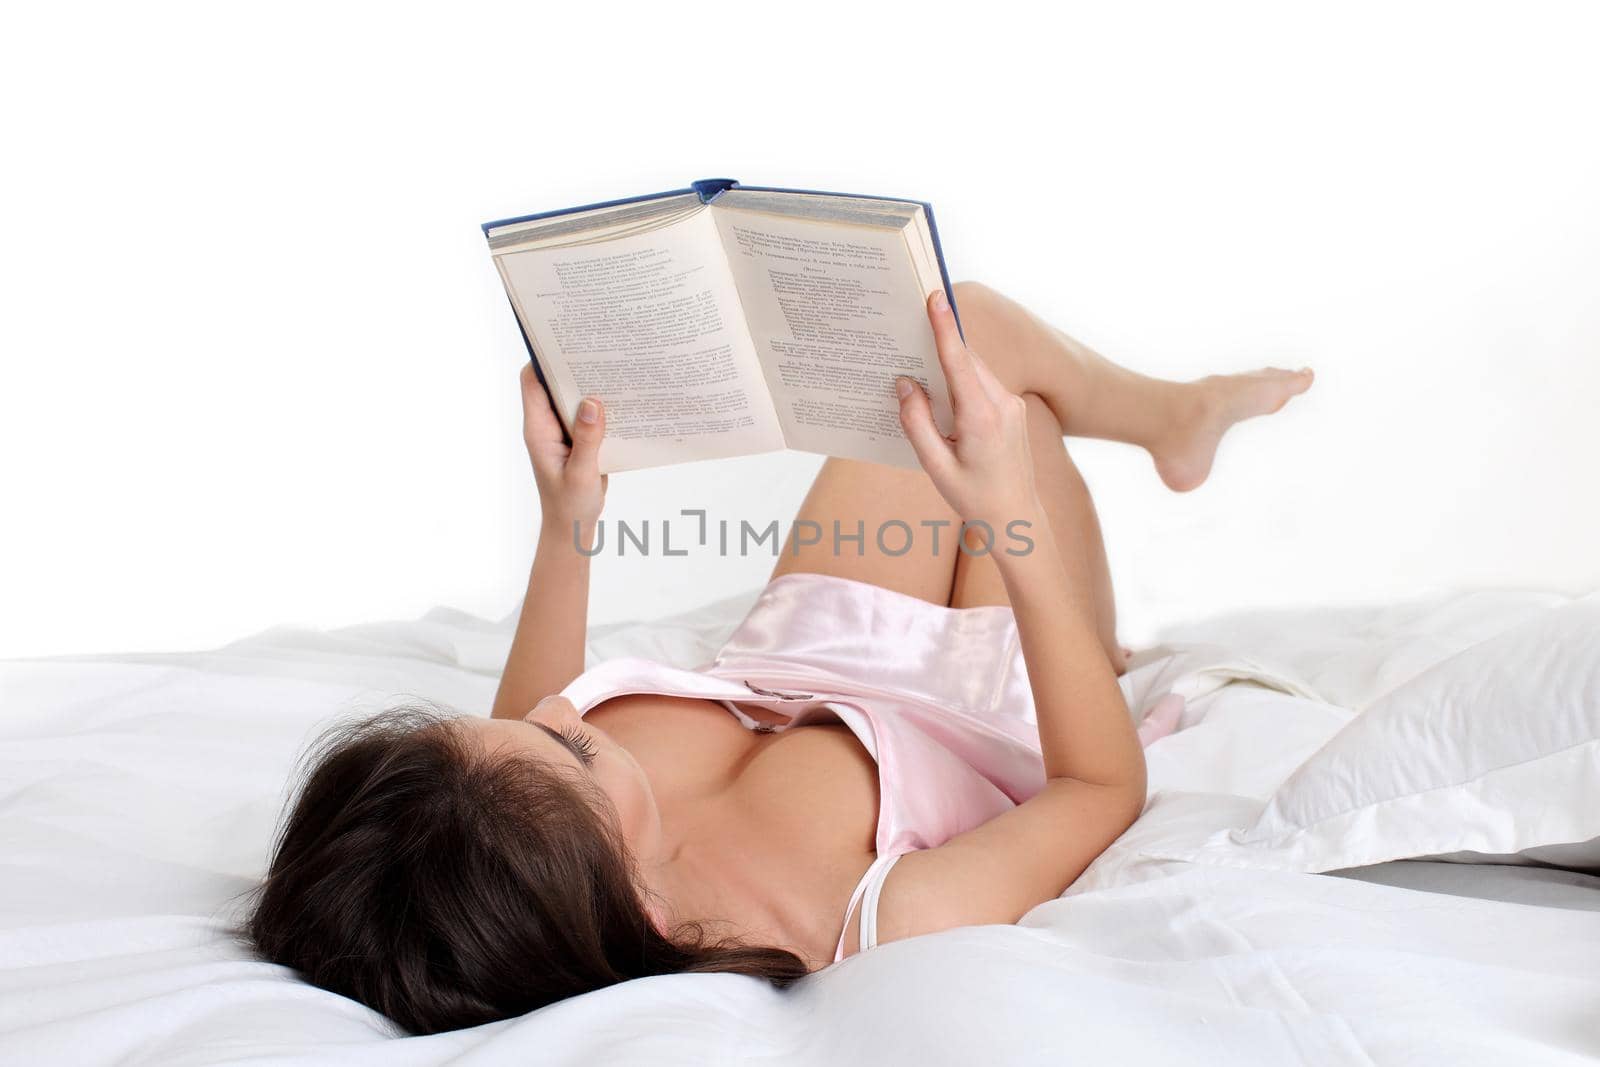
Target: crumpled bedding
x,y
139,793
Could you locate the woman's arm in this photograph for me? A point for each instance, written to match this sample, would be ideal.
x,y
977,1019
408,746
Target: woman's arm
x,y
547,651
1093,762
1094,773
1085,731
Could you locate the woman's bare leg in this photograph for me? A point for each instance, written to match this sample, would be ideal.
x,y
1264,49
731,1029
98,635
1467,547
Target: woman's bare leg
x,y
1071,391
867,498
1178,423
1073,523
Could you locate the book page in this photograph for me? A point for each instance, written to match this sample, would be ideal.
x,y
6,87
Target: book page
x,y
588,223
651,324
836,311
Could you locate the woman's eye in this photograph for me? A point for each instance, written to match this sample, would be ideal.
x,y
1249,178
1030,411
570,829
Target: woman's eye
x,y
581,743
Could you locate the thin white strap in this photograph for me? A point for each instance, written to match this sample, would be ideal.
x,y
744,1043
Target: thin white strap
x,y
869,888
869,906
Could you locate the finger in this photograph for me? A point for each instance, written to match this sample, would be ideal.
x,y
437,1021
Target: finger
x,y
537,414
588,429
992,386
916,419
954,358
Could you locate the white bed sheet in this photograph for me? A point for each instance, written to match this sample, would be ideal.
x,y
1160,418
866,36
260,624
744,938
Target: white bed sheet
x,y
138,795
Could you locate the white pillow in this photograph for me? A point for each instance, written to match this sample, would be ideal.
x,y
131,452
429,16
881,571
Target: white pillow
x,y
1492,752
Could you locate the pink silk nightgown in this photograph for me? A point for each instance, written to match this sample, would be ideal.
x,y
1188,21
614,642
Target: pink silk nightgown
x,y
938,696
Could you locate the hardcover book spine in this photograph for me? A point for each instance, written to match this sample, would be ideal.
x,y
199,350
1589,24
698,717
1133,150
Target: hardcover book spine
x,y
711,188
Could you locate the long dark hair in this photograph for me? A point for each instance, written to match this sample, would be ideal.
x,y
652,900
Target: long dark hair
x,y
447,887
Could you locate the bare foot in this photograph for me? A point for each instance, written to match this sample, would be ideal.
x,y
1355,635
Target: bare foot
x,y
1208,408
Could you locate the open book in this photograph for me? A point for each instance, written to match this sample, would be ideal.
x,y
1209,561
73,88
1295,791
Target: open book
x,y
722,319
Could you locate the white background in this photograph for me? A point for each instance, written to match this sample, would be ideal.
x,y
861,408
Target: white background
x,y
258,367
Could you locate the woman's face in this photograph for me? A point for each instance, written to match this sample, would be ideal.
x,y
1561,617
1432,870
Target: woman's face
x,y
554,732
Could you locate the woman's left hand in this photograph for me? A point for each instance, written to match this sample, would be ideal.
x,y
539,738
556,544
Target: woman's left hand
x,y
985,470
571,487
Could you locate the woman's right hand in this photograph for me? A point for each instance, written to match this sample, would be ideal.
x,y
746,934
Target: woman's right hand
x,y
984,470
571,487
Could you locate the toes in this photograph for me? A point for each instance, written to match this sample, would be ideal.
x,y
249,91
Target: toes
x,y
1292,382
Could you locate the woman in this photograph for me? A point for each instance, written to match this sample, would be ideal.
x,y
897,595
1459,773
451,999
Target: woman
x,y
893,743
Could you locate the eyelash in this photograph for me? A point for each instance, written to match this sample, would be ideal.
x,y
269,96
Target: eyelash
x,y
582,742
